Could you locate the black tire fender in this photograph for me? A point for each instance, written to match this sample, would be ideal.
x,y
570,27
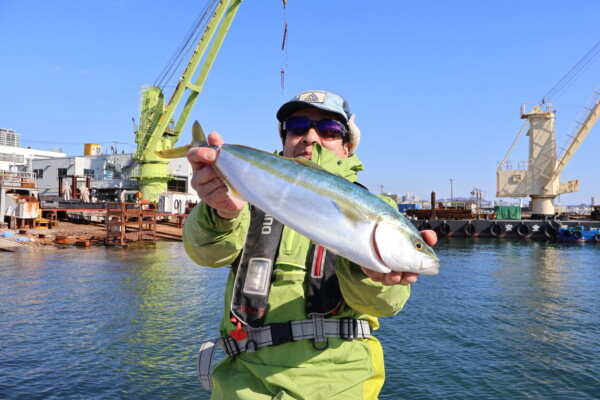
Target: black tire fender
x,y
469,229
444,229
567,233
496,229
550,231
523,230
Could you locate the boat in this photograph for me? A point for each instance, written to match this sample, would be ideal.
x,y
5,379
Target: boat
x,y
579,234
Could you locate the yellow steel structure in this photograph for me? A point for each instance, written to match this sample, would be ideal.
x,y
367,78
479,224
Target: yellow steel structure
x,y
158,129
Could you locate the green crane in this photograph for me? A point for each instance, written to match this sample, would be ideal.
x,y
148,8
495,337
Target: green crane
x,y
158,129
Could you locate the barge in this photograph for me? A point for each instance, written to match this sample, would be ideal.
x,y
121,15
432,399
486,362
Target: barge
x,y
580,234
494,228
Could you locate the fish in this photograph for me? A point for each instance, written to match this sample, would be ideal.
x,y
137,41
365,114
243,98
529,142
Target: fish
x,y
331,211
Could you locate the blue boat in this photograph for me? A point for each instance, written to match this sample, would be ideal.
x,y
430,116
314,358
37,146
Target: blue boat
x,y
579,234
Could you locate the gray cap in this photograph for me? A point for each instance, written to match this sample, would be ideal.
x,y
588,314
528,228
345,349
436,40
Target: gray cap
x,y
325,101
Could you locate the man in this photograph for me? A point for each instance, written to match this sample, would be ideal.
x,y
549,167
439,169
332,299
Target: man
x,y
308,336
67,191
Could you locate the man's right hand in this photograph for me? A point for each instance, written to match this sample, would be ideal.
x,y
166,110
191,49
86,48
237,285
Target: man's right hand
x,y
208,184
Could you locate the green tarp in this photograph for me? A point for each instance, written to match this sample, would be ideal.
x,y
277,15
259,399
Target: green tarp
x,y
507,212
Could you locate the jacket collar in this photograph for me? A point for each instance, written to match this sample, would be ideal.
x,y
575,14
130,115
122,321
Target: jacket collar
x,y
345,167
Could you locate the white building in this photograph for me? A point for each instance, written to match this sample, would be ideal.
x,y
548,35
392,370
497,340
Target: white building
x,y
8,137
15,158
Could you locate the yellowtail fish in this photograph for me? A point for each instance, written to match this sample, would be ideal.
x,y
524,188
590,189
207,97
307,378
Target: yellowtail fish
x,y
331,211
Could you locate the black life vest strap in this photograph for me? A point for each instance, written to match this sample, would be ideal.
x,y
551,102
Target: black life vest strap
x,y
323,294
254,272
255,269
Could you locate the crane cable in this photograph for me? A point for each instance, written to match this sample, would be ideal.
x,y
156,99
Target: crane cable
x,y
187,45
570,76
283,48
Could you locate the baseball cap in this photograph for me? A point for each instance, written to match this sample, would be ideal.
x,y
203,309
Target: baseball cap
x,y
325,101
318,99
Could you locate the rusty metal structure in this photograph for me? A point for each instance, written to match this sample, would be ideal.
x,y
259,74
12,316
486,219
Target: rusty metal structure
x,y
130,222
18,199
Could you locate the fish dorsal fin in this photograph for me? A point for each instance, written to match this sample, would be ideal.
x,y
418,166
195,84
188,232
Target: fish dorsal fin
x,y
198,136
308,163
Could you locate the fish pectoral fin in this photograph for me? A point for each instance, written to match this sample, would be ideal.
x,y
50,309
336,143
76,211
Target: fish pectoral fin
x,y
351,213
198,136
174,153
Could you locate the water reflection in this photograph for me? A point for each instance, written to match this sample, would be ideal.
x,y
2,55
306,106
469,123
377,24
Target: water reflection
x,y
503,319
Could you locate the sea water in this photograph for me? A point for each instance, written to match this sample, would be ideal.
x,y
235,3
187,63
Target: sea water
x,y
503,320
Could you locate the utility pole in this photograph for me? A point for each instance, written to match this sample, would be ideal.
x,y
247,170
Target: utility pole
x,y
451,189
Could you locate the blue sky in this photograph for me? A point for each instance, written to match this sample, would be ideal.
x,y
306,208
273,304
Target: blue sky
x,y
436,86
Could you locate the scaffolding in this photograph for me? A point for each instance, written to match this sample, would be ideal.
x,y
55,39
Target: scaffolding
x,y
130,222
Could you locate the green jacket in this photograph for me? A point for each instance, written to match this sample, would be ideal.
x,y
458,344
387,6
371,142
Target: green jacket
x,y
215,242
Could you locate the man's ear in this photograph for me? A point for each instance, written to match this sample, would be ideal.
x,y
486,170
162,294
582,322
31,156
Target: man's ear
x,y
347,148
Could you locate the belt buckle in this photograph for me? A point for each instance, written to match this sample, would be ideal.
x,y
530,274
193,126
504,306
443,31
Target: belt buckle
x,y
281,333
348,328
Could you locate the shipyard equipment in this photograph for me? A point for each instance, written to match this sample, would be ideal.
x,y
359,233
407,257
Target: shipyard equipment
x,y
159,128
539,176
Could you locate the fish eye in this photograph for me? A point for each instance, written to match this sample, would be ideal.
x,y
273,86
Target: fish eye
x,y
419,245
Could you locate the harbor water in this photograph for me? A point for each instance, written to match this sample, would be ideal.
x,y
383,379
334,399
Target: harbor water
x,y
504,319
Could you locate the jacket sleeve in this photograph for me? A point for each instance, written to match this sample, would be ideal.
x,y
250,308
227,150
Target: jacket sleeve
x,y
213,241
367,296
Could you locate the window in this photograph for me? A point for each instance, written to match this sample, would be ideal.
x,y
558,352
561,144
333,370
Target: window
x,y
39,173
16,158
176,185
88,172
62,172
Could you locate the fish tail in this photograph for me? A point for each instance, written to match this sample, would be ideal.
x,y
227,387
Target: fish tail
x,y
198,140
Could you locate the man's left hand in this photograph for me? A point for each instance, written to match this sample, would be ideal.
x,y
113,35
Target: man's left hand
x,y
400,278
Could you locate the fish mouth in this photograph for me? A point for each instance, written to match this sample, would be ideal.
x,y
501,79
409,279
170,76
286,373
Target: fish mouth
x,y
429,266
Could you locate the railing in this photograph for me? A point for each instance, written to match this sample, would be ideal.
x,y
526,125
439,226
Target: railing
x,y
569,186
535,108
572,139
17,179
508,165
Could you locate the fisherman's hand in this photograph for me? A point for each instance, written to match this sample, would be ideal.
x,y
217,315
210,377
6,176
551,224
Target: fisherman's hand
x,y
400,278
208,184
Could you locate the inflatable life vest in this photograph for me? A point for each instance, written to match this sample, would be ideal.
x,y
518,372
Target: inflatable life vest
x,y
254,271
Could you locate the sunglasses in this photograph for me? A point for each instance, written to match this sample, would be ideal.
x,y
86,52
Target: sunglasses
x,y
326,128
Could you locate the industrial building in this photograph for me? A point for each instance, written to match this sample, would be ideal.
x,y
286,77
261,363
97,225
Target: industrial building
x,y
113,176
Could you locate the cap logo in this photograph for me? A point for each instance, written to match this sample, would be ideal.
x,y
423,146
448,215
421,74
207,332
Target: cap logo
x,y
312,97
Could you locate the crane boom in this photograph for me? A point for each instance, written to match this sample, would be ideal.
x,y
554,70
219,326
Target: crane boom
x,y
589,115
156,132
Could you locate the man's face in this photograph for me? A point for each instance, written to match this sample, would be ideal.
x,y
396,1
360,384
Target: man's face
x,y
301,145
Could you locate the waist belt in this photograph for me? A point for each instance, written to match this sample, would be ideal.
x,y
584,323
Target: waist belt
x,y
317,328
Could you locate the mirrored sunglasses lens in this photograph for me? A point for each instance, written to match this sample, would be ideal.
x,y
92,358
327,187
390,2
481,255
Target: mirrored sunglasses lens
x,y
297,125
330,128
